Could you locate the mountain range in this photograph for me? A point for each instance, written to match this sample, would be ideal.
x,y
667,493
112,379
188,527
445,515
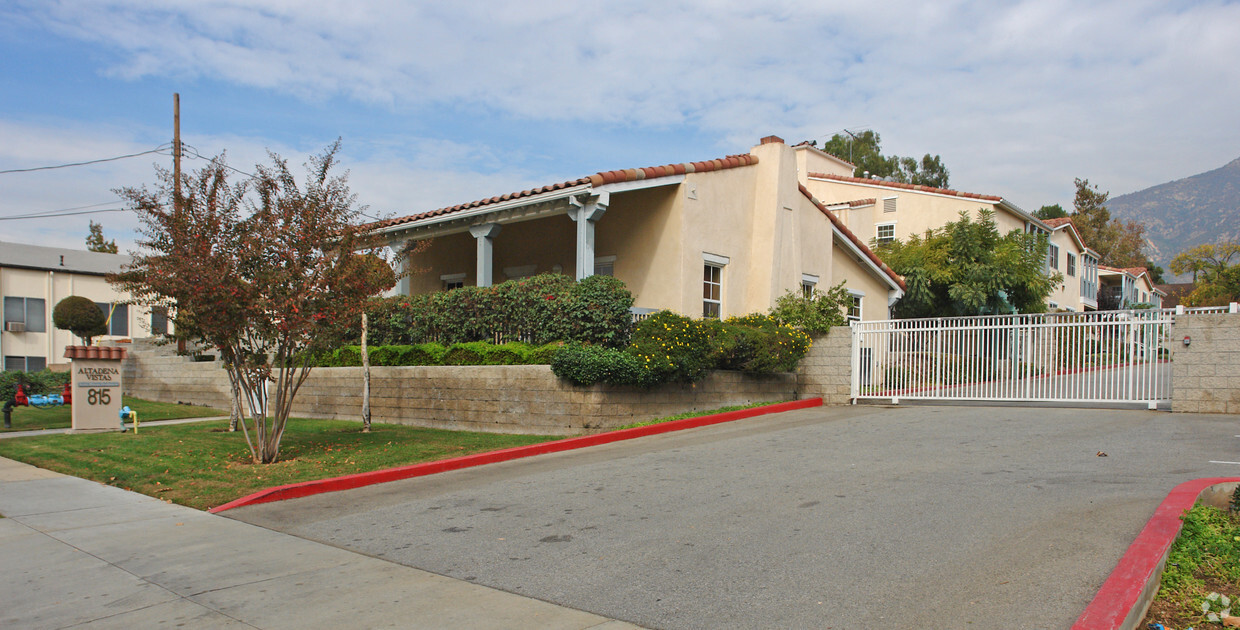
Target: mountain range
x,y
1177,215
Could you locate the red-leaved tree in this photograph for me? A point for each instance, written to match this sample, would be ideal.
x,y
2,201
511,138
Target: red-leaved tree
x,y
266,270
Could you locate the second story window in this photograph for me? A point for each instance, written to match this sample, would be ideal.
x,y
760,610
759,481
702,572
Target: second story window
x,y
885,233
1072,265
1053,256
28,314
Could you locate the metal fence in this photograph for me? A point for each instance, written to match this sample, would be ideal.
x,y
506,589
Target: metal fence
x,y
1100,356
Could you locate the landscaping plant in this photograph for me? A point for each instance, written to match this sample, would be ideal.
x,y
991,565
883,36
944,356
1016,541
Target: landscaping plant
x,y
269,271
80,316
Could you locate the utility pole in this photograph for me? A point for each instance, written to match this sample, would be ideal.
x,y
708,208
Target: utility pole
x,y
176,151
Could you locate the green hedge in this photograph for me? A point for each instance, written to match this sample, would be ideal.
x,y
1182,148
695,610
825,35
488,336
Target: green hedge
x,y
41,382
542,308
469,353
669,347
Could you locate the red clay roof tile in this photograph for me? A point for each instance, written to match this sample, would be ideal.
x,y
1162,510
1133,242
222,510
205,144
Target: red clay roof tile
x,y
110,353
598,179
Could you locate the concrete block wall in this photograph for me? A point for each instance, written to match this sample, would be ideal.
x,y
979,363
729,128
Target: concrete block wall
x,y
825,372
1205,376
502,399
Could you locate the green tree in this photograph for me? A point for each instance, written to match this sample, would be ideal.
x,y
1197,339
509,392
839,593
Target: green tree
x,y
1118,243
1051,212
864,150
268,271
95,242
1216,277
80,316
967,268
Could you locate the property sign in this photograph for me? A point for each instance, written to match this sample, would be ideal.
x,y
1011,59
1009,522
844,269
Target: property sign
x,y
96,394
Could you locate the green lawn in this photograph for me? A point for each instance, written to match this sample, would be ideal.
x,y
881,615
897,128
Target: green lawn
x,y
33,419
202,465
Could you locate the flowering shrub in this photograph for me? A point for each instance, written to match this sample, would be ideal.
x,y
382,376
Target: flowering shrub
x,y
669,347
673,347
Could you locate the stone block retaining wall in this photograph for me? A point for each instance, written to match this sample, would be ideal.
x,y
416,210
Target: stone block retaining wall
x,y
1205,376
825,370
503,399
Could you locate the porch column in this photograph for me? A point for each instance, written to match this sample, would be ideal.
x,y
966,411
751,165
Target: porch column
x,y
486,260
585,214
402,280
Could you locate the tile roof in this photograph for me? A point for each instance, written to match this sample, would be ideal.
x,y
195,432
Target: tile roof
x,y
855,203
598,179
1058,222
110,353
903,186
1135,271
839,225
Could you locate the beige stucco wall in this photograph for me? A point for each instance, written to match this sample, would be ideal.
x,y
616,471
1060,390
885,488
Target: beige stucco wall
x,y
811,160
856,277
52,287
754,216
1068,293
915,212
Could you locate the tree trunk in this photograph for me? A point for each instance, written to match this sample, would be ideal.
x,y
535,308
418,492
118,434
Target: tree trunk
x,y
365,378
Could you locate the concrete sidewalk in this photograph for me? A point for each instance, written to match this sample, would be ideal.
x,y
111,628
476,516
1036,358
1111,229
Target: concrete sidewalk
x,y
78,553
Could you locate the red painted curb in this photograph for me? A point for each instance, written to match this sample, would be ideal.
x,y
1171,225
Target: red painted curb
x,y
1135,572
320,486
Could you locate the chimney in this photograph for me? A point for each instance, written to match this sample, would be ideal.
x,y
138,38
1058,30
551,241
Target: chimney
x,y
62,260
772,140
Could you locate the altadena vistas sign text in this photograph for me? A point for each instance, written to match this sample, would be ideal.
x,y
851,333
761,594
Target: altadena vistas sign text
x,y
97,386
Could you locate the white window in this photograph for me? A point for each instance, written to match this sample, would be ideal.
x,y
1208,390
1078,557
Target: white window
x,y
25,364
854,306
452,281
1053,256
808,283
1072,264
117,316
29,313
712,291
885,232
605,266
889,204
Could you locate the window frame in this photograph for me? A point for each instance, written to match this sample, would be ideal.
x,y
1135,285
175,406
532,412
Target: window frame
x,y
878,232
117,327
449,281
1071,265
1052,256
32,324
856,302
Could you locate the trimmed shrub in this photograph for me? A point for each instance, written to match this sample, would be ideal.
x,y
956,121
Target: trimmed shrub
x,y
757,344
544,354
423,354
673,347
586,365
514,353
468,353
348,356
81,317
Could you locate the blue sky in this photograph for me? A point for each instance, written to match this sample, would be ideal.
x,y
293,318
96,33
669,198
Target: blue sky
x,y
444,103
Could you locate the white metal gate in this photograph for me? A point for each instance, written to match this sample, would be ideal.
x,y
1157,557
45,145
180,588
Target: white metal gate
x,y
1091,357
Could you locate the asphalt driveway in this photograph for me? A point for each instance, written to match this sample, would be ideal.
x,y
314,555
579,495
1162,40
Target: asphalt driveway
x,y
841,517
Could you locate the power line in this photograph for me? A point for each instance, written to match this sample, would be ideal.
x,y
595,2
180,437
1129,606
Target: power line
x,y
111,159
59,213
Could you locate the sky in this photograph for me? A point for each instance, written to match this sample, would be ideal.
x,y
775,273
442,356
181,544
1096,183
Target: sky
x,y
443,103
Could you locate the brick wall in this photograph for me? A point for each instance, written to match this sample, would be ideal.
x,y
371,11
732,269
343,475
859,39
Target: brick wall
x,y
825,370
502,399
1205,376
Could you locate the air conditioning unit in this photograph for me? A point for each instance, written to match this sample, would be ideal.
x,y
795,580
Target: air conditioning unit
x,y
15,326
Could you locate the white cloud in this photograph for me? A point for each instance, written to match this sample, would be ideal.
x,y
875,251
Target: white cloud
x,y
1018,97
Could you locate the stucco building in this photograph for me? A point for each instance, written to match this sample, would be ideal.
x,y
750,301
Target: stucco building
x,y
719,238
34,279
